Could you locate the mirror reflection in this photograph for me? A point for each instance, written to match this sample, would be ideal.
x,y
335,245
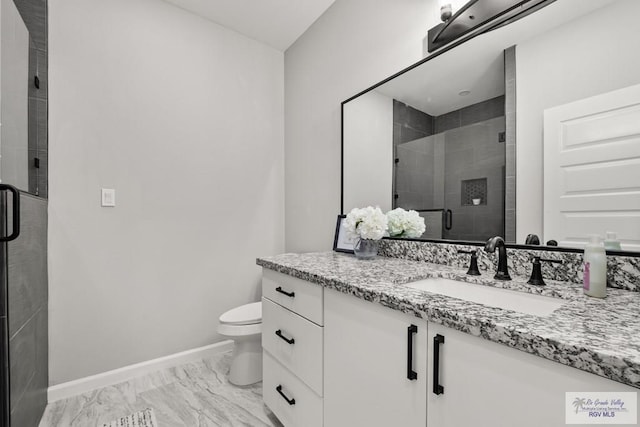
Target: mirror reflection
x,y
462,137
23,96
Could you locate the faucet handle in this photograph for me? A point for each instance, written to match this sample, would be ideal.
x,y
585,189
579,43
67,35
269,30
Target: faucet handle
x,y
460,251
536,274
473,264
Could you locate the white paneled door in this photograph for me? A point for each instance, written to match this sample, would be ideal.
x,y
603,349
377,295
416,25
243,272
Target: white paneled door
x,y
592,169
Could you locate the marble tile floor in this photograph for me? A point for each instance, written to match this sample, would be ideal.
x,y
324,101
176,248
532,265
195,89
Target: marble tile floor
x,y
196,394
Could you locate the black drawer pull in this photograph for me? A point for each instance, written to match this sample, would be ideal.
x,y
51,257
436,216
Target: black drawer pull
x,y
289,401
289,294
289,340
411,374
437,340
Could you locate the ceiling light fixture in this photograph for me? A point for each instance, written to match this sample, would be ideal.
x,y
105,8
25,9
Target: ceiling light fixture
x,y
464,17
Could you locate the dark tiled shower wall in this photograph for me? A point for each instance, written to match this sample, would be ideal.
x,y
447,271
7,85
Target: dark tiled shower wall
x,y
410,124
474,153
475,113
34,14
27,255
28,314
623,272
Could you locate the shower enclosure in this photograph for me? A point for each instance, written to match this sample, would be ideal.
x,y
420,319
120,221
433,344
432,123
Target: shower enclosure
x,y
454,177
23,212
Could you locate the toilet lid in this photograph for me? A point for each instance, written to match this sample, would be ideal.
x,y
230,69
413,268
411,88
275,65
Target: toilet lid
x,y
247,314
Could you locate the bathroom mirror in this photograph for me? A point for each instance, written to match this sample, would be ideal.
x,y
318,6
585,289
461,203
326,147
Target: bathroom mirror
x,y
23,96
459,135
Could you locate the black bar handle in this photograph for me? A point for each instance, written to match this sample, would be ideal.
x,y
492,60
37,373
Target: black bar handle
x,y
448,219
284,396
15,232
411,374
437,340
289,340
289,294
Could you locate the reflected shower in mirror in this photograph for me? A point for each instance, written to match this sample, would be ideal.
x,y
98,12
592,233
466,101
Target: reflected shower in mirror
x,y
14,96
455,173
518,112
23,95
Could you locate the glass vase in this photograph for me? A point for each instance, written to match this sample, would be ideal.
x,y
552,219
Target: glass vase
x,y
366,248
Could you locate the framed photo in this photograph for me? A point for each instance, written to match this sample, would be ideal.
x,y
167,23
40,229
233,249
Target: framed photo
x,y
342,242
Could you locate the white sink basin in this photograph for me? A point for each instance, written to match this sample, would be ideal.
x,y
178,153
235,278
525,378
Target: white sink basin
x,y
522,302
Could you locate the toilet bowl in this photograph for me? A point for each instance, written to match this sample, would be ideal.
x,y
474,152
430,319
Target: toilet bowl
x,y
244,326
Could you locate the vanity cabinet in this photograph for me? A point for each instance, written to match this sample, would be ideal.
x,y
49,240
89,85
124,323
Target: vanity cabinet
x,y
336,360
480,383
292,342
375,364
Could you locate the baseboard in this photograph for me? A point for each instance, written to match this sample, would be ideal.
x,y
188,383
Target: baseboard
x,y
83,385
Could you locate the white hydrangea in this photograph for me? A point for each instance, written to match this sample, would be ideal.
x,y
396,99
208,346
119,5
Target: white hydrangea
x,y
366,223
403,223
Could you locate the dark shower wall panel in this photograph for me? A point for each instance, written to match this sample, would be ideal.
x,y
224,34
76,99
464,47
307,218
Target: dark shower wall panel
x,y
474,152
409,123
34,14
28,315
415,174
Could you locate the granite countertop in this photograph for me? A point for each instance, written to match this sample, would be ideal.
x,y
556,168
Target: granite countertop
x,y
601,336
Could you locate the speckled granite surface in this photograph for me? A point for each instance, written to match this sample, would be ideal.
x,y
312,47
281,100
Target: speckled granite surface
x,y
623,272
597,336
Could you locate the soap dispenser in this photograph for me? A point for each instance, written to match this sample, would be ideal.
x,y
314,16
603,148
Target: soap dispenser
x,y
611,242
595,268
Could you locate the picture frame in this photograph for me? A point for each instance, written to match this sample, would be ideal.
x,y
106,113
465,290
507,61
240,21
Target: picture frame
x,y
341,241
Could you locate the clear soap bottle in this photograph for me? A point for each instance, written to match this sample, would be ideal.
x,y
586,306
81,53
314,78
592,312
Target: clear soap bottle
x,y
595,268
611,242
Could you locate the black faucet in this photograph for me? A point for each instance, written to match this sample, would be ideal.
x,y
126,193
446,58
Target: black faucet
x,y
503,270
473,264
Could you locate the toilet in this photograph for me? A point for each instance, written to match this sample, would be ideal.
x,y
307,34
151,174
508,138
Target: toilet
x,y
244,326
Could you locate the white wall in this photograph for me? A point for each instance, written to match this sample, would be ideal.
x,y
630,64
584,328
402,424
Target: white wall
x,y
184,119
14,86
594,54
368,171
355,44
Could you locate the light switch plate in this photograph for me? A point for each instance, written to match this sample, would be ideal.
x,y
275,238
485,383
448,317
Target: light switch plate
x,y
108,197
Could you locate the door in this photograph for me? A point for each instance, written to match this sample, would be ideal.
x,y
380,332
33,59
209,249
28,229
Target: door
x,y
476,382
592,169
375,365
8,232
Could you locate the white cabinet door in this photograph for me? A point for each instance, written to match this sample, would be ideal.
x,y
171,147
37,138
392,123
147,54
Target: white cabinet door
x,y
367,365
491,385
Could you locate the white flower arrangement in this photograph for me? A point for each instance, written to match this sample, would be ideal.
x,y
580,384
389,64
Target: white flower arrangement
x,y
366,223
403,223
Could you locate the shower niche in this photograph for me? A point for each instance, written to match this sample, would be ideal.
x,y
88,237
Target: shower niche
x,y
474,192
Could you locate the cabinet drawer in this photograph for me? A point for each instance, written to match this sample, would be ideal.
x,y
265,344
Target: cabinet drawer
x,y
295,294
294,341
307,409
